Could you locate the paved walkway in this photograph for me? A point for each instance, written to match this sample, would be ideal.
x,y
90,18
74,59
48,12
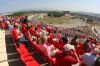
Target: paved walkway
x,y
3,53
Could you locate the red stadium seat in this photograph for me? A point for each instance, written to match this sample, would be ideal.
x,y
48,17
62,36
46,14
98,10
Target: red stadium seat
x,y
32,63
22,50
26,57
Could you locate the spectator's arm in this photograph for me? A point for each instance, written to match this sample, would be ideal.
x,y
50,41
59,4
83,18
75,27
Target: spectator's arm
x,y
76,56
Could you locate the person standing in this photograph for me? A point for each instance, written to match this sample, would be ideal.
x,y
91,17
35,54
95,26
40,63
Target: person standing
x,y
25,20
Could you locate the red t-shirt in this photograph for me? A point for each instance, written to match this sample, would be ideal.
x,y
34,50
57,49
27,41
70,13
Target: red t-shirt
x,y
23,30
3,25
14,34
64,60
31,30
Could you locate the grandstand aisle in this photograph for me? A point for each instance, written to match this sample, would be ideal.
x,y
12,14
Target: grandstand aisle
x,y
13,57
3,54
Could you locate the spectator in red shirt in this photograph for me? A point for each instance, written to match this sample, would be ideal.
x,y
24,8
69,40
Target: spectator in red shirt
x,y
23,29
19,38
68,57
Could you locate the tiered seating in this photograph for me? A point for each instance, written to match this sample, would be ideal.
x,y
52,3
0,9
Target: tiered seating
x,y
58,44
25,56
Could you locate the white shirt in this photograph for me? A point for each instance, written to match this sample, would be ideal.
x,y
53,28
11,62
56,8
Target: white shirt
x,y
8,22
11,27
88,59
49,49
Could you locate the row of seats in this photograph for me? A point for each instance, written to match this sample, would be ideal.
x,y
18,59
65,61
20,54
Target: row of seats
x,y
25,56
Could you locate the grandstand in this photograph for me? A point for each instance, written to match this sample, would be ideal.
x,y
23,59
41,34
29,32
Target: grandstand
x,y
18,51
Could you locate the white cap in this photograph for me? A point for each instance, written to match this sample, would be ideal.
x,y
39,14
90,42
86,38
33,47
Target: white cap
x,y
68,47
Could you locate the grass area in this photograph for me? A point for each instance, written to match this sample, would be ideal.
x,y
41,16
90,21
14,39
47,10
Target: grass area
x,y
55,20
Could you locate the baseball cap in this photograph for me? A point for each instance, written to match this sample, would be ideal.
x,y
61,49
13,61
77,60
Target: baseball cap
x,y
16,24
24,25
68,47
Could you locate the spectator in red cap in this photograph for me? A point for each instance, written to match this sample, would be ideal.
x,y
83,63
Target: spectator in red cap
x,y
23,29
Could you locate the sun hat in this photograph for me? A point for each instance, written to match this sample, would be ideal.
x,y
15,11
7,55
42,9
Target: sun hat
x,y
68,47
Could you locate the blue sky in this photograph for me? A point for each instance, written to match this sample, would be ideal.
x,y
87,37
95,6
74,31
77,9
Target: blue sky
x,y
73,5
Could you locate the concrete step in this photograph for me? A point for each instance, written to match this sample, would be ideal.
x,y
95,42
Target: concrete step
x,y
4,63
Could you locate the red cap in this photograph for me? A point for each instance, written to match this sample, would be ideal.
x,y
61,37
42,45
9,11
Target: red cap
x,y
16,24
24,25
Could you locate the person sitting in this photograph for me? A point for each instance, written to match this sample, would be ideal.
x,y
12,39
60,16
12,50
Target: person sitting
x,y
88,59
47,50
19,38
10,26
67,57
25,31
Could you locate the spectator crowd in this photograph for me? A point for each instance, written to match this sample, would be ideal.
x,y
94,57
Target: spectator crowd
x,y
67,46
